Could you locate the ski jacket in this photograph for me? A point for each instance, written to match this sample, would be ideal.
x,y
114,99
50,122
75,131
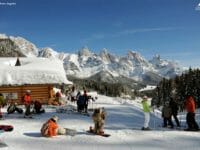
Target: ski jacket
x,y
27,99
52,128
145,105
190,105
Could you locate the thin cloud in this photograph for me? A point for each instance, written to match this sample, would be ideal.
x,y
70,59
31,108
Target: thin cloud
x,y
133,31
100,36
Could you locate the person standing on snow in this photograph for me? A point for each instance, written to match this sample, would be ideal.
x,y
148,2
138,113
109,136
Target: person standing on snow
x,y
174,106
167,115
86,99
73,94
146,110
27,103
190,118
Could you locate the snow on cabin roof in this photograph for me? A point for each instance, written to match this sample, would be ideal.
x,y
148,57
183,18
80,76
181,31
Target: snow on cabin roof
x,y
32,71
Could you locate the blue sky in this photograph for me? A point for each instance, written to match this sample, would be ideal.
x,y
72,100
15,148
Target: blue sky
x,y
170,28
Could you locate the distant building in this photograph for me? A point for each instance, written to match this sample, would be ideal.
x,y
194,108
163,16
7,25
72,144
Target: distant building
x,y
36,74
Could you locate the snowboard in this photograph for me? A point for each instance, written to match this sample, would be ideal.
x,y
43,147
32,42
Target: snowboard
x,y
6,128
92,132
71,132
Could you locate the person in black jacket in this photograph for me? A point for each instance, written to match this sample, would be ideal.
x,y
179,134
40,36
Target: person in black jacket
x,y
86,99
174,107
167,115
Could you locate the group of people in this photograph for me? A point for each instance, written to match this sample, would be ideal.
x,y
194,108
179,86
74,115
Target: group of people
x,y
169,110
81,100
31,106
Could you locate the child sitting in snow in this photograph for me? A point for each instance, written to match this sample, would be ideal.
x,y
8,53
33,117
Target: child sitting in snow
x,y
51,128
99,121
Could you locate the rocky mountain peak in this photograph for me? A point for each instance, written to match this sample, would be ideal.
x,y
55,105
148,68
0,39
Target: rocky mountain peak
x,y
85,52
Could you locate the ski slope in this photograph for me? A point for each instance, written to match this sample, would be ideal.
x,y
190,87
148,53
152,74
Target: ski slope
x,y
124,121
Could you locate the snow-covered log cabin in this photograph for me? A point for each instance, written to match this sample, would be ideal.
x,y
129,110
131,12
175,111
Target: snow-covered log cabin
x,y
36,74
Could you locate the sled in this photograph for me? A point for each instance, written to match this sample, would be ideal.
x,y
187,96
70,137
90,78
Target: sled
x,y
6,128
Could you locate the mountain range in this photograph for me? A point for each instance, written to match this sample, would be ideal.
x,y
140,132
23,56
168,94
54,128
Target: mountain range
x,y
104,66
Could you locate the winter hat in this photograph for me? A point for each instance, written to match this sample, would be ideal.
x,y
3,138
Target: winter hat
x,y
55,118
28,91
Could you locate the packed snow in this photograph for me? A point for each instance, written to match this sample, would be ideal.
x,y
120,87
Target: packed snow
x,y
31,71
124,121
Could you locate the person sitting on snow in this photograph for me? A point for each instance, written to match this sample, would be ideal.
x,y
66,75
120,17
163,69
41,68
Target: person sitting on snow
x,y
38,107
51,128
99,120
13,107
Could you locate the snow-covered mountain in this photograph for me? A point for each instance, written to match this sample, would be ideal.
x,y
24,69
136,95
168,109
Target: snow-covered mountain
x,y
22,45
85,63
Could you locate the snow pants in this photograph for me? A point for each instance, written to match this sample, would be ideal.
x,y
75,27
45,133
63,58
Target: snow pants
x,y
146,119
28,110
190,118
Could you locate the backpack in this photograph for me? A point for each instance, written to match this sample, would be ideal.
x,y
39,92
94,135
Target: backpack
x,y
44,129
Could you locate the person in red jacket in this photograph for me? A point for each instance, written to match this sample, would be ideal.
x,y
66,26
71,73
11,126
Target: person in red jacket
x,y
27,103
53,126
52,129
190,118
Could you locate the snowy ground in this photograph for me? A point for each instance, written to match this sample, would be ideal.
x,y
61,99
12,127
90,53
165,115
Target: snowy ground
x,y
124,120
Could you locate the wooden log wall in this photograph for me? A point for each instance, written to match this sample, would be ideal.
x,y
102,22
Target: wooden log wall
x,y
38,92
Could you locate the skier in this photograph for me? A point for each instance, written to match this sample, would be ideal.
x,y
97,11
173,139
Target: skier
x,y
99,121
27,103
146,110
174,106
190,118
167,115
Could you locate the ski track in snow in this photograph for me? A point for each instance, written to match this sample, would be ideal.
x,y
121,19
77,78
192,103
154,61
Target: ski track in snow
x,y
124,121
